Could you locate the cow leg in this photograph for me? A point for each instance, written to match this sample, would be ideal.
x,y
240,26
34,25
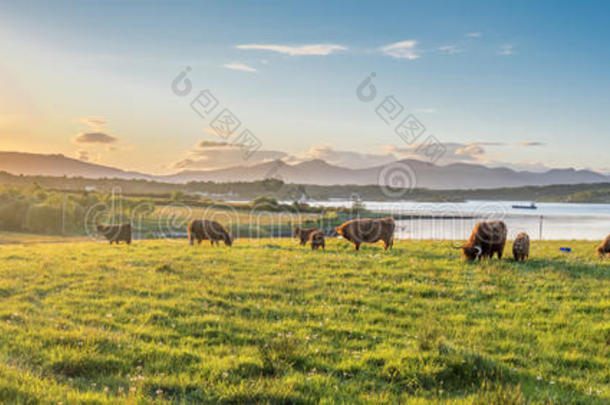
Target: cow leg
x,y
357,246
499,255
191,240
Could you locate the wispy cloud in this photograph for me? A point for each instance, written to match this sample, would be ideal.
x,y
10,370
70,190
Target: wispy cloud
x,y
95,137
530,143
94,122
402,50
312,49
473,35
507,50
240,67
450,49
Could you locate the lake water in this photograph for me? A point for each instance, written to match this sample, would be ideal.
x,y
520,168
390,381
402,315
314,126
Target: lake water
x,y
551,221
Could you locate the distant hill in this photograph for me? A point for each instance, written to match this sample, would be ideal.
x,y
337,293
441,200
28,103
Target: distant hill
x,y
313,172
59,165
425,175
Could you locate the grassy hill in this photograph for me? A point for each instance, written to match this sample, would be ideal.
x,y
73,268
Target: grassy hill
x,y
587,193
270,322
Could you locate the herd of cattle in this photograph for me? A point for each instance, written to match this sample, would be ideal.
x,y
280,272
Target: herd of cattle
x,y
487,239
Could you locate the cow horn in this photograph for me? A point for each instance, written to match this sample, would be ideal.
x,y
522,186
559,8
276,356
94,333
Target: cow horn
x,y
479,250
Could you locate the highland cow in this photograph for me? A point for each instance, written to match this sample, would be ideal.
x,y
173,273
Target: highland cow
x,y
486,239
203,229
604,248
303,234
115,233
316,239
521,247
368,230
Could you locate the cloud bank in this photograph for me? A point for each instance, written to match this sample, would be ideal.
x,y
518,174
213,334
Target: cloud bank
x,y
95,138
313,49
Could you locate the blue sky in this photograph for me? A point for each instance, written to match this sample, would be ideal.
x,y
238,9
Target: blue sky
x,y
521,84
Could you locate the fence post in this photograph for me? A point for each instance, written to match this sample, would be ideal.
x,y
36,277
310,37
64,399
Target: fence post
x,y
541,218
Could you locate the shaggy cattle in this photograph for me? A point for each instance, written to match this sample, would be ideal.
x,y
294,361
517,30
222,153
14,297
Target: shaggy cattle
x,y
604,248
115,233
368,230
486,239
521,247
303,234
316,239
202,229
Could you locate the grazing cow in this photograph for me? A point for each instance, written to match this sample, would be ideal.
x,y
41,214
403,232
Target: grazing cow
x,y
316,239
521,247
303,234
368,230
115,233
604,248
486,239
202,229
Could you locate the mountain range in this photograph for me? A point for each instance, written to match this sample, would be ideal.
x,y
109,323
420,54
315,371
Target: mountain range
x,y
409,173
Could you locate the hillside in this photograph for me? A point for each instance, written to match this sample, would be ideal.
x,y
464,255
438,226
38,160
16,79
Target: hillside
x,y
59,165
582,193
269,322
424,175
314,172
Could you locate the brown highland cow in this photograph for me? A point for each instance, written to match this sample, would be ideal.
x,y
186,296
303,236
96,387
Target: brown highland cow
x,y
115,233
203,229
486,239
368,230
604,248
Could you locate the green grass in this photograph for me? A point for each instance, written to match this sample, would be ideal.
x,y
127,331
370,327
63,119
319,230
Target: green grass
x,y
268,321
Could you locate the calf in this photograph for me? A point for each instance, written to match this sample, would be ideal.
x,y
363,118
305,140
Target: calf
x,y
303,234
521,247
316,239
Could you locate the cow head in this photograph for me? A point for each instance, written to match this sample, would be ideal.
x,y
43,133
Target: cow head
x,y
228,239
600,251
471,253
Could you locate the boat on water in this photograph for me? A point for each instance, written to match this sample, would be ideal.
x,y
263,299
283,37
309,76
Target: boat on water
x,y
532,206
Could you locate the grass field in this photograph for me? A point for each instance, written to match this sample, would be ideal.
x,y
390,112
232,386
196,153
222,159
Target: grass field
x,y
267,321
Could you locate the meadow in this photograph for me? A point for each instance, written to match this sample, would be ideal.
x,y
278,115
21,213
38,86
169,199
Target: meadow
x,y
268,321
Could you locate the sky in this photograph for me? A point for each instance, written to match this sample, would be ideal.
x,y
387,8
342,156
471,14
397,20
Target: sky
x,y
521,84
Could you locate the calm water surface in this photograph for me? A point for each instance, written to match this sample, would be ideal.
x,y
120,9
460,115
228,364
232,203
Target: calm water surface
x,y
550,221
